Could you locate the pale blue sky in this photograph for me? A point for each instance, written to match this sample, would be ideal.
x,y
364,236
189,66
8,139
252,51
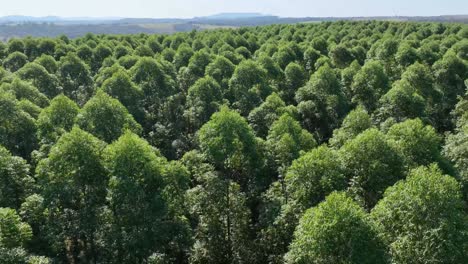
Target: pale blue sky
x,y
186,8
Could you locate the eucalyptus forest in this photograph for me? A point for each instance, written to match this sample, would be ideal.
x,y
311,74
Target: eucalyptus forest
x,y
332,142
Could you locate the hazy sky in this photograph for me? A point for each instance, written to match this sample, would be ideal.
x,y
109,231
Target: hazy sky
x,y
187,8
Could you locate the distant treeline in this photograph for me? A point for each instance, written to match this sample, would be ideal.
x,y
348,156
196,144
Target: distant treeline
x,y
73,29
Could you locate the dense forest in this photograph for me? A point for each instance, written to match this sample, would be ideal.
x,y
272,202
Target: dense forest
x,y
334,142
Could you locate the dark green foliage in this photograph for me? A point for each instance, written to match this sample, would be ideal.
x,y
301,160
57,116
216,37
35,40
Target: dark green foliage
x,y
15,45
400,103
347,76
221,69
450,73
321,102
406,55
75,79
48,62
341,56
262,117
156,84
121,87
25,91
15,61
223,222
295,78
310,58
73,183
248,86
203,99
182,57
17,128
456,145
135,179
15,181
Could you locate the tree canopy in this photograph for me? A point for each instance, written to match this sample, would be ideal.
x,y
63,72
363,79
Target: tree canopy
x,y
331,142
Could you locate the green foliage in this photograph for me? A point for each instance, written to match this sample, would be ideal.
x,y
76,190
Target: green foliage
x,y
99,53
15,45
229,142
418,144
295,78
223,222
24,90
203,99
422,219
75,79
39,76
456,146
156,84
371,165
29,108
341,56
73,183
310,58
406,55
221,139
321,102
13,232
33,212
369,84
15,181
121,87
14,235
221,69
15,61
56,119
286,139
313,176
106,118
347,76
198,63
356,122
248,86
449,73
400,103
17,128
135,179
274,72
420,78
262,117
336,231
182,57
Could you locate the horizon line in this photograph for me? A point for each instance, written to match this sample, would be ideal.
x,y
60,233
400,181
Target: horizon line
x,y
216,14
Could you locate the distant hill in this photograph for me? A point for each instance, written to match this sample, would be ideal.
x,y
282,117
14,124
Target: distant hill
x,y
232,16
51,26
23,19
